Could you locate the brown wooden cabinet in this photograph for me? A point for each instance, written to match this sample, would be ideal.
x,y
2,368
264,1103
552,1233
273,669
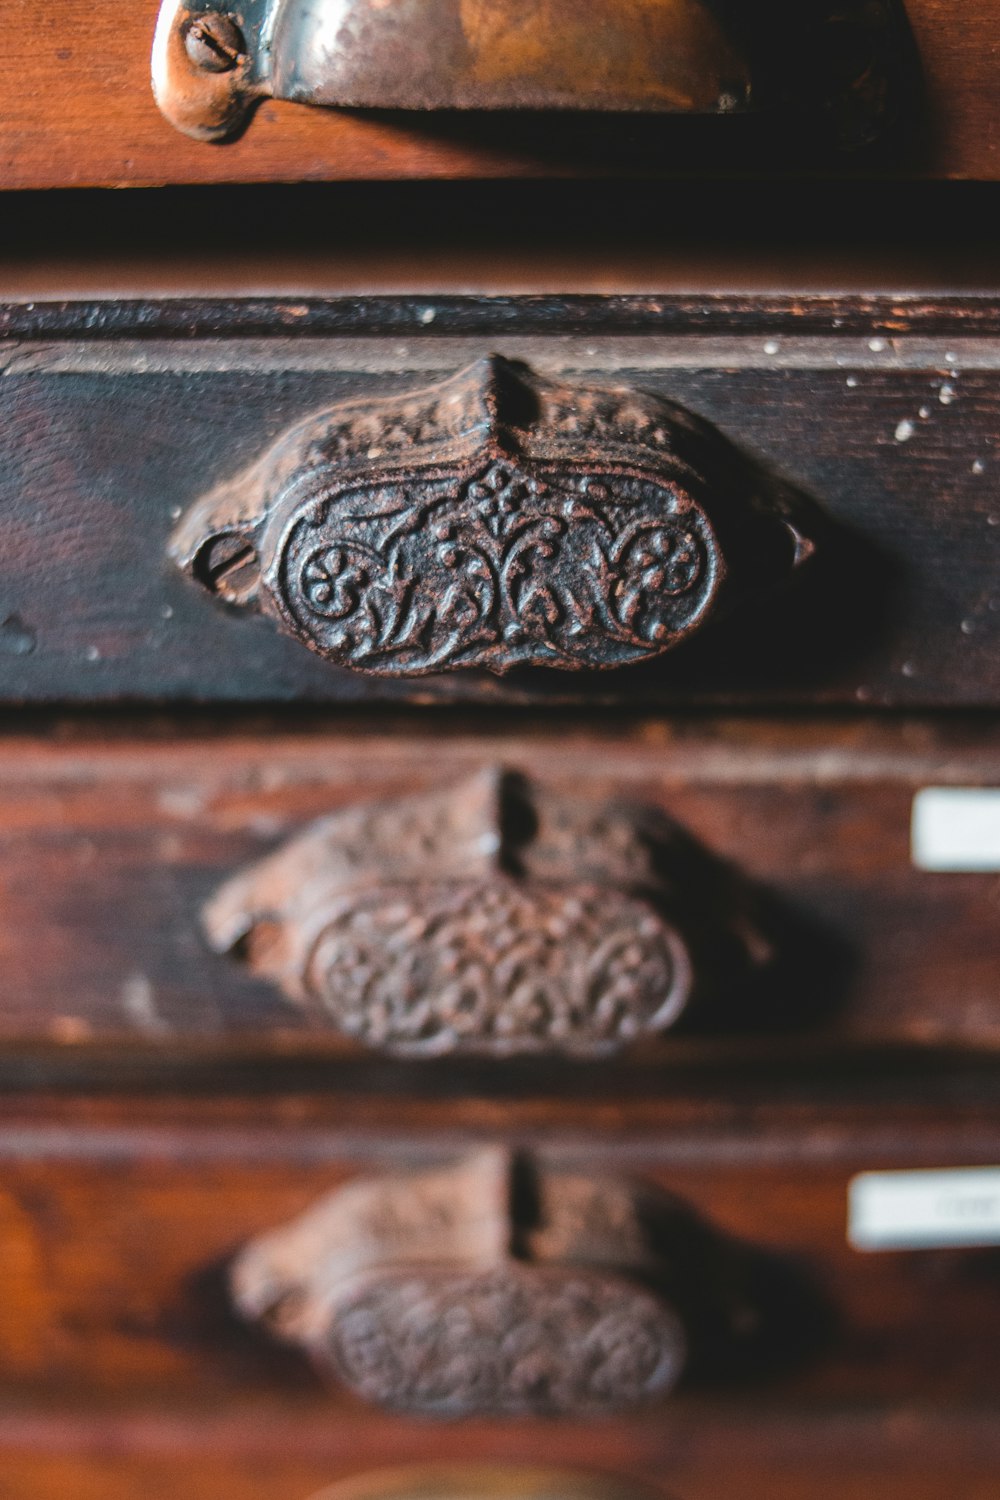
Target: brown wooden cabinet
x,y
477,660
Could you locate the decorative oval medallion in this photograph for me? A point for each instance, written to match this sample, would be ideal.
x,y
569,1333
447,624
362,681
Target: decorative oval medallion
x,y
498,966
496,568
495,521
512,1340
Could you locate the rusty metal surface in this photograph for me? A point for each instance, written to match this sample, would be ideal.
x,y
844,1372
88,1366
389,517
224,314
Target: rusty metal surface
x,y
510,54
495,920
641,56
491,1286
498,520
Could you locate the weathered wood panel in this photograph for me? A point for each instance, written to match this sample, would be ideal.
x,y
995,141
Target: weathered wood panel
x,y
884,413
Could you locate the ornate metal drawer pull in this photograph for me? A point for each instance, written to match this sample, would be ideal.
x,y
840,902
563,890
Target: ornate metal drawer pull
x,y
497,520
493,1286
494,920
211,66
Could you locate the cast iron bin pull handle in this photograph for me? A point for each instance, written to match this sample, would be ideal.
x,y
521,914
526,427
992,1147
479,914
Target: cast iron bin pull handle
x,y
497,1286
495,919
498,520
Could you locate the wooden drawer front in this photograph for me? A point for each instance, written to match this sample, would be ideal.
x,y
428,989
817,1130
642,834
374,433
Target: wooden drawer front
x,y
118,1232
250,1453
111,850
123,1369
951,127
880,419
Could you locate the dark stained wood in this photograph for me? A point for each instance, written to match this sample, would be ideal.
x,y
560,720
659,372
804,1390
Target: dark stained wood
x,y
110,847
884,412
117,1223
677,313
78,110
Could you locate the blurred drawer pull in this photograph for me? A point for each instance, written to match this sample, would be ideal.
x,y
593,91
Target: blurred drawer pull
x,y
493,919
497,520
493,1286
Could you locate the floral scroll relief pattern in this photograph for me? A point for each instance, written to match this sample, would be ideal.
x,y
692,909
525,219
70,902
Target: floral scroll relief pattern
x,y
506,1341
499,570
497,968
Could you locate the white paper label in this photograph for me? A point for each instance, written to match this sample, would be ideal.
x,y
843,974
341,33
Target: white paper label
x,y
937,1210
956,828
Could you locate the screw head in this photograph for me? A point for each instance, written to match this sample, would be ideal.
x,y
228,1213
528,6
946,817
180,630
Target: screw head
x,y
228,566
214,42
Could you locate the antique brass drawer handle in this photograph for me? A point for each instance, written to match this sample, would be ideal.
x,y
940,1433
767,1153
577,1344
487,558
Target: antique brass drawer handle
x,y
493,919
498,520
495,1286
212,65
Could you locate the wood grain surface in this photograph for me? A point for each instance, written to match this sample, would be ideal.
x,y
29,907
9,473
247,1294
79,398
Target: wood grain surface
x,y
884,412
77,110
110,847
